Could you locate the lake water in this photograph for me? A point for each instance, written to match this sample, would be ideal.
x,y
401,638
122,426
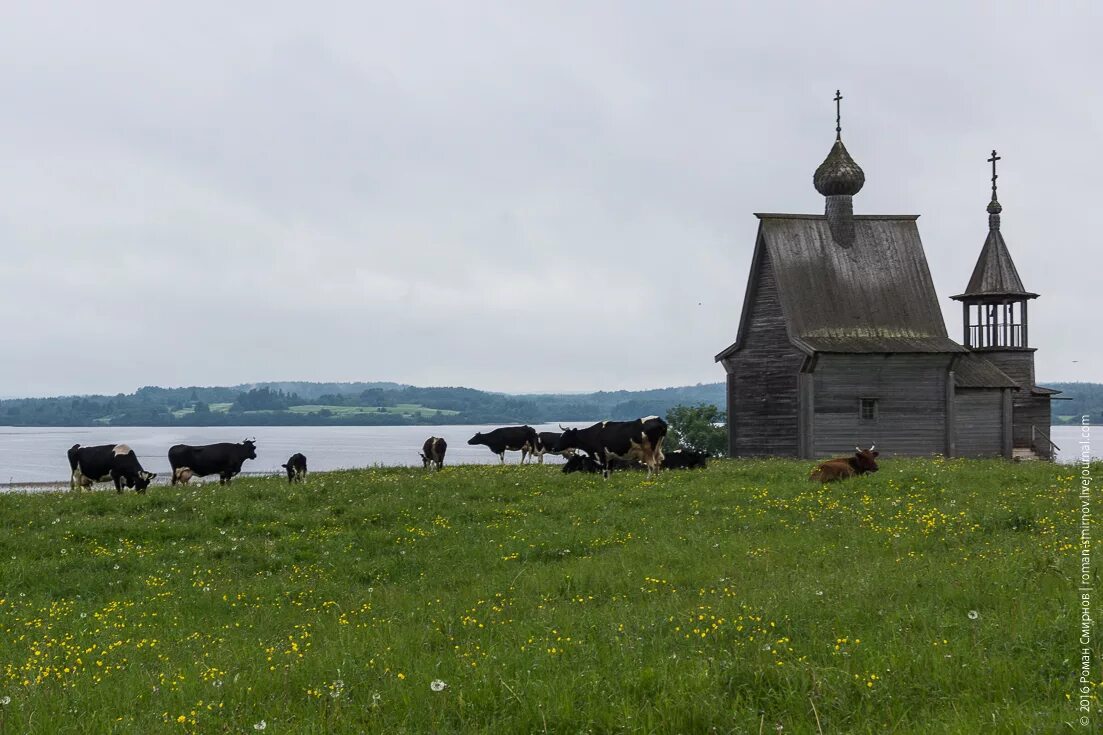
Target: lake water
x,y
37,455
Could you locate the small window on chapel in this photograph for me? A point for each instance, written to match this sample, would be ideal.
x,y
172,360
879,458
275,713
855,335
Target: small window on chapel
x,y
867,409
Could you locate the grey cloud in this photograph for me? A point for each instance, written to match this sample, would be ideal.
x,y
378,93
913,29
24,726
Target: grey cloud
x,y
512,196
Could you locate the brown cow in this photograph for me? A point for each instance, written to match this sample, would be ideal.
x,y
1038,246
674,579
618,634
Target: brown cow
x,y
841,468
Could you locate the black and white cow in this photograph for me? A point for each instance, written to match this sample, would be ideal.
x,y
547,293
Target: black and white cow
x,y
224,459
116,462
547,442
684,459
640,440
296,468
521,439
432,452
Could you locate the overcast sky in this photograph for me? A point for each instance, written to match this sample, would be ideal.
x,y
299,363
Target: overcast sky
x,y
511,196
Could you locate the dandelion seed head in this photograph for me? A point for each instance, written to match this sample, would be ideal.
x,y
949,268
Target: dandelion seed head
x,y
438,686
973,614
260,725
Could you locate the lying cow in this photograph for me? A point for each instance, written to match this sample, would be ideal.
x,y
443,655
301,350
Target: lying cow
x,y
296,468
684,459
432,452
547,443
640,440
224,459
116,462
581,463
521,439
584,463
863,461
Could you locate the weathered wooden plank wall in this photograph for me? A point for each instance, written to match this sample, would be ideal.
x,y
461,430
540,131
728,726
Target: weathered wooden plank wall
x,y
979,422
1031,410
1017,364
762,384
911,410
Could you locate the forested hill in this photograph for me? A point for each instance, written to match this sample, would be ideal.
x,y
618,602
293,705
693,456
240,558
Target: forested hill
x,y
1077,400
380,404
347,404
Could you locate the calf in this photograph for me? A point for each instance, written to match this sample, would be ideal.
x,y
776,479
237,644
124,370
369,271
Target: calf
x,y
223,459
521,439
432,452
683,459
296,468
640,440
116,462
863,461
547,443
581,463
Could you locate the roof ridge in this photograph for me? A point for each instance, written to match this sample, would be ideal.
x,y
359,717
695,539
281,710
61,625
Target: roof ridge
x,y
783,215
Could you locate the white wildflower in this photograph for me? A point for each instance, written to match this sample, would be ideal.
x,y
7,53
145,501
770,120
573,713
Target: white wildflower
x,y
438,686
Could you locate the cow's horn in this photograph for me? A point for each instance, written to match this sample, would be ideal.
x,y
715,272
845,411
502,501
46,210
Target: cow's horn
x,y
857,448
872,447
562,428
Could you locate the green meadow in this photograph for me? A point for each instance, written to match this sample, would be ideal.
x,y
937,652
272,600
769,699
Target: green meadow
x,y
933,597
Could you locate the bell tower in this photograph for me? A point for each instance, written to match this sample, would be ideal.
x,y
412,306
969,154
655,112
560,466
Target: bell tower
x,y
994,304
995,321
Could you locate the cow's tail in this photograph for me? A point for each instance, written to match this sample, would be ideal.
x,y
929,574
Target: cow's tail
x,y
72,453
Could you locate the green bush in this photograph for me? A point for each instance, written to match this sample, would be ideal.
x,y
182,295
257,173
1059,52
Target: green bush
x,y
697,428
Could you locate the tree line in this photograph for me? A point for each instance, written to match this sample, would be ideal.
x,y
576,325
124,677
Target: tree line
x,y
390,404
360,404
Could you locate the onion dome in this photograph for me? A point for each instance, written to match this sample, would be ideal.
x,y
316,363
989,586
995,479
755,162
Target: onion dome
x,y
838,179
839,175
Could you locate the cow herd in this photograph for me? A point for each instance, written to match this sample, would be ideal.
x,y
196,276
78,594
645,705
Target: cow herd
x,y
605,444
602,447
119,464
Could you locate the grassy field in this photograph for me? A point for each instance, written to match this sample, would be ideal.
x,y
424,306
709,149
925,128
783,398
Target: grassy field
x,y
933,597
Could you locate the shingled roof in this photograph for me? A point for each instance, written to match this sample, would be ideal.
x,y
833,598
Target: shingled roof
x,y
875,296
973,371
995,275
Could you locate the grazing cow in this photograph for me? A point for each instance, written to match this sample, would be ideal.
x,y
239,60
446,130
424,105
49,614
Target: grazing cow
x,y
581,463
296,468
640,440
521,439
547,443
863,461
432,452
224,459
116,462
683,459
